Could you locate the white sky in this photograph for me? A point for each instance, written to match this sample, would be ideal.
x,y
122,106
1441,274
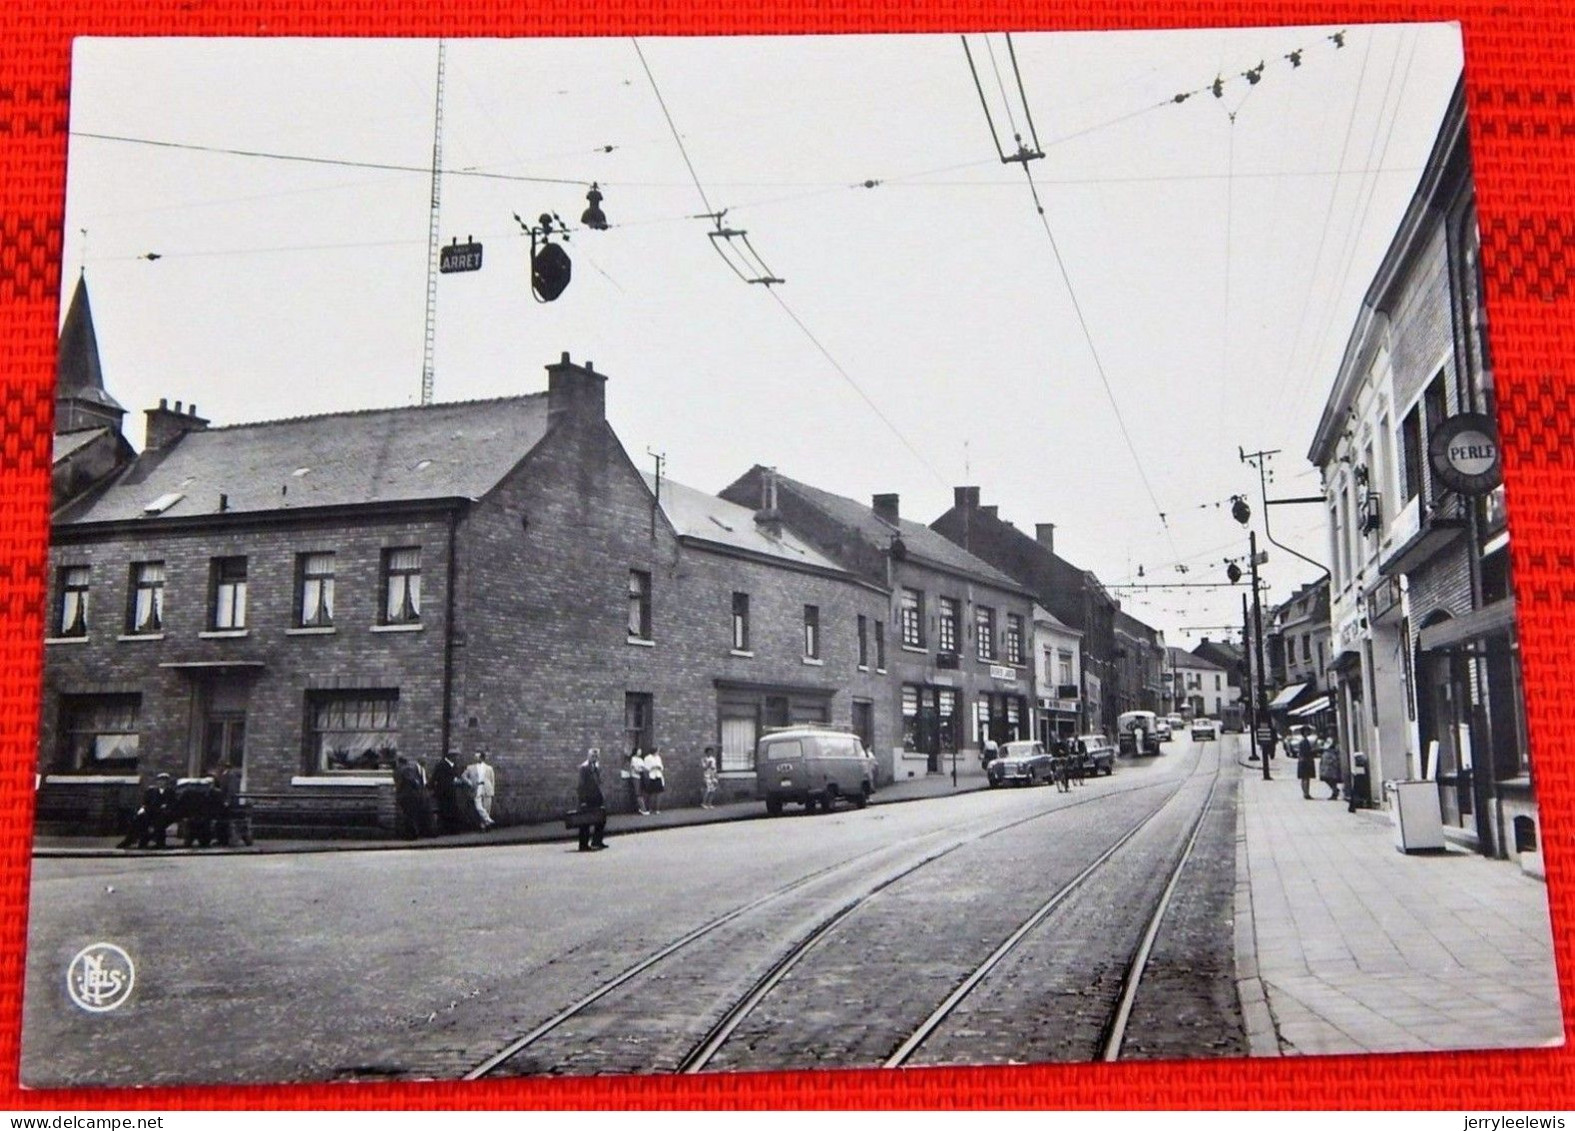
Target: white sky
x,y
1219,266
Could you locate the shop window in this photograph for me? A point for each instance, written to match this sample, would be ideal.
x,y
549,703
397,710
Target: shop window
x,y
402,585
99,733
146,612
740,729
314,586
229,593
352,732
72,614
910,717
946,709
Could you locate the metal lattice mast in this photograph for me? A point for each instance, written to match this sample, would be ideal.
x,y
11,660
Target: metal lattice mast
x,y
433,236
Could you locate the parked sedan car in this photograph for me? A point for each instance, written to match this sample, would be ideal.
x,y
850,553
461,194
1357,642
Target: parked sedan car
x,y
1204,730
1020,763
1098,754
1162,730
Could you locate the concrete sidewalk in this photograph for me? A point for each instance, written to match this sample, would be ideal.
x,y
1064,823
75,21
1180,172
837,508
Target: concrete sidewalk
x,y
1344,944
618,825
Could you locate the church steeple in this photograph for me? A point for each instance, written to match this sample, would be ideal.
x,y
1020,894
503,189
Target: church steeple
x,y
81,401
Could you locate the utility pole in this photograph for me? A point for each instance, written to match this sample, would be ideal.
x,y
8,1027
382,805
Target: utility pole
x,y
1247,689
1262,692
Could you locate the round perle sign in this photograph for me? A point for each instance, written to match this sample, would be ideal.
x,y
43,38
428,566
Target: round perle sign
x,y
1464,454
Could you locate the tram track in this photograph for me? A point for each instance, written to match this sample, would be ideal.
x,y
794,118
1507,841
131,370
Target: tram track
x,y
825,924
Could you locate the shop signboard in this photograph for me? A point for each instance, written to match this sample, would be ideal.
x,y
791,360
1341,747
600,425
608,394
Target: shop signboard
x,y
1464,454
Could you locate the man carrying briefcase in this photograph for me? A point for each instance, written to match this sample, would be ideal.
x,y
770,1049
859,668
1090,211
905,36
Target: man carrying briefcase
x,y
591,817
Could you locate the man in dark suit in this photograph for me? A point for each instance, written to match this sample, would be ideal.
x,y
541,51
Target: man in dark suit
x,y
410,793
442,780
152,821
592,802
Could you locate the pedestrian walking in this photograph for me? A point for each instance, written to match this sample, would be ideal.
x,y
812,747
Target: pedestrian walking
x,y
710,777
444,782
1306,762
483,783
410,795
637,780
593,805
655,780
1329,767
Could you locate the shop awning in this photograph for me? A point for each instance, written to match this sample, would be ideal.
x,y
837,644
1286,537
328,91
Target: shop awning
x,y
1317,707
1285,698
1495,618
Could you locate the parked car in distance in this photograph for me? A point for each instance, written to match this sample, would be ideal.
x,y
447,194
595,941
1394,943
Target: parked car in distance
x,y
1162,729
1204,730
813,765
1098,755
1020,763
1176,722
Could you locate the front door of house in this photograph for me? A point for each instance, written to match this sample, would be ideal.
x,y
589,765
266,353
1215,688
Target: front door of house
x,y
221,733
224,742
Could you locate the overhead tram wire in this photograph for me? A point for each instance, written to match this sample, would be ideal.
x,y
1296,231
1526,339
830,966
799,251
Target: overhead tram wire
x,y
386,166
1370,187
768,279
1323,231
1023,156
854,385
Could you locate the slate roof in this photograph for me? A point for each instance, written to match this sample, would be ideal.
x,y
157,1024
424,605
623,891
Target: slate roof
x,y
706,518
458,450
67,443
1181,658
920,540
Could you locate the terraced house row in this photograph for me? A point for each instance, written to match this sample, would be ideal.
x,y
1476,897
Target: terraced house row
x,y
307,599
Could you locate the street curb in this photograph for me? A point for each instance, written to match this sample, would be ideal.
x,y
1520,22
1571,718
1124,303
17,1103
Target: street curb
x,y
536,834
1263,1039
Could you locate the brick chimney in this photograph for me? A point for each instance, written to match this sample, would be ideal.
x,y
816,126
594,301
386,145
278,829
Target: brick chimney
x,y
885,507
768,517
965,498
165,425
1044,534
575,391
